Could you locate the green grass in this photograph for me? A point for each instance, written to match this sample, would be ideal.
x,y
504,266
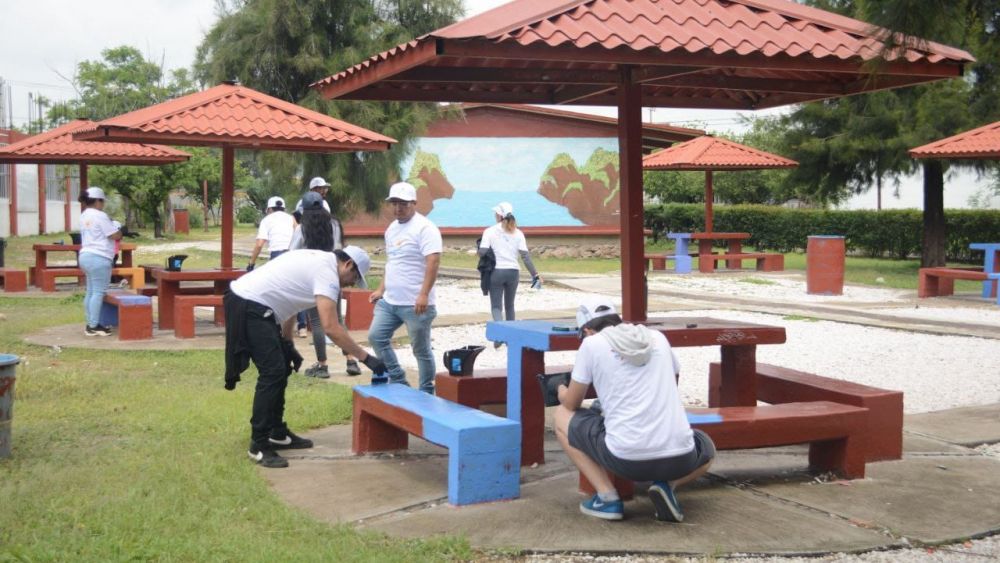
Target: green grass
x,y
756,281
140,456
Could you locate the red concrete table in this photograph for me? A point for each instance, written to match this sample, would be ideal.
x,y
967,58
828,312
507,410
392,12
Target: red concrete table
x,y
734,243
527,342
43,250
168,286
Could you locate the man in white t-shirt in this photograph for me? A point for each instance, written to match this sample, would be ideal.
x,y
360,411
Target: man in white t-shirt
x,y
275,229
256,305
406,295
643,433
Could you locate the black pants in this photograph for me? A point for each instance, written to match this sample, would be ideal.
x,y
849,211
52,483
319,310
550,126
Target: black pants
x,y
264,341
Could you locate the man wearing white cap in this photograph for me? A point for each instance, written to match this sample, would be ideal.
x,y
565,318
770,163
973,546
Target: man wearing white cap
x,y
320,186
256,305
98,234
413,249
643,433
275,229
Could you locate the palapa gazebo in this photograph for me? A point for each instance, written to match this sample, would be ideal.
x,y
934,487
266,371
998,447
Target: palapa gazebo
x,y
235,117
57,146
979,143
719,54
711,153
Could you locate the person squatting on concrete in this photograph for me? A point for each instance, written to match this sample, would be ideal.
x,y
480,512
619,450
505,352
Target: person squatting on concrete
x,y
320,231
317,186
98,234
413,249
643,433
256,305
275,230
507,243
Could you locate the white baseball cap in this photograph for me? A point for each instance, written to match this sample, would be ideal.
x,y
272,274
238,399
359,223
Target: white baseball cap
x,y
361,260
95,193
403,191
592,307
318,182
503,209
276,202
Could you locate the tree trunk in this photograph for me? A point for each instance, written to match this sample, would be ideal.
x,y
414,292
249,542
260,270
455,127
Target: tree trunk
x,y
878,188
157,223
933,252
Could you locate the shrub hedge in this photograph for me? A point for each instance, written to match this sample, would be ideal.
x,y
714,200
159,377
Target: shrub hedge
x,y
896,233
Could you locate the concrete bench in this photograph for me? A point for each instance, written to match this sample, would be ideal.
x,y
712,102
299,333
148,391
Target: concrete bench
x,y
135,275
47,276
995,278
131,313
184,312
360,310
939,282
775,385
13,280
484,451
483,387
765,262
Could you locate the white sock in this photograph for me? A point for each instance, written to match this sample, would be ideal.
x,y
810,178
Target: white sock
x,y
609,496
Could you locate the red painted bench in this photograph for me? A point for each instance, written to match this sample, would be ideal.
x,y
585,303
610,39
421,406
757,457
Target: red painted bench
x,y
835,433
184,312
655,261
777,385
13,280
765,262
47,276
360,310
483,387
938,282
131,313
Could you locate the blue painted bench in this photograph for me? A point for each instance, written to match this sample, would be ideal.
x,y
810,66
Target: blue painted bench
x,y
995,279
484,451
131,313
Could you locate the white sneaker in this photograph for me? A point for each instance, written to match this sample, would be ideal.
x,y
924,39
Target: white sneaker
x,y
302,333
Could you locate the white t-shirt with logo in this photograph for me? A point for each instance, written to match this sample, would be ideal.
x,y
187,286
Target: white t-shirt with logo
x,y
290,283
95,228
277,228
407,246
506,246
643,414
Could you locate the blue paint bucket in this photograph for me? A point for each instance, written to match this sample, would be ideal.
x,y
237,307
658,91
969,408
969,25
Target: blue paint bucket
x,y
174,262
8,363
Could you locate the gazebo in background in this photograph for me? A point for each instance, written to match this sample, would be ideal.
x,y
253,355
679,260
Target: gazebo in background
x,y
58,147
707,54
235,117
711,153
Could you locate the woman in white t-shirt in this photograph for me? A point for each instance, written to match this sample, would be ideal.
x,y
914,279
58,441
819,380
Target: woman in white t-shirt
x,y
98,234
507,243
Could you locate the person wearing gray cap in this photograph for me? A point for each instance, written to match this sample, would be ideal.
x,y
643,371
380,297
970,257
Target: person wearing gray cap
x,y
413,249
317,187
256,306
98,234
275,230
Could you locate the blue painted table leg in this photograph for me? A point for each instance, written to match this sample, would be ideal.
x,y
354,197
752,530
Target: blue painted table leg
x,y
989,264
682,257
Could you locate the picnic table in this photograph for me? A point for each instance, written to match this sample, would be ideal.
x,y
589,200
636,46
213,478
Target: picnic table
x,y
528,341
733,255
42,252
168,287
991,265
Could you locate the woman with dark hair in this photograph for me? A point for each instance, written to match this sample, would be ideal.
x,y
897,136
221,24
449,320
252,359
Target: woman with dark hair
x,y
319,230
508,244
98,234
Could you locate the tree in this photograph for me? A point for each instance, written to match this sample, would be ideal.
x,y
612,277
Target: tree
x,y
280,47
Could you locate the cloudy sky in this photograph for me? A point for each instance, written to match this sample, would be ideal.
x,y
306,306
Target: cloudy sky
x,y
42,42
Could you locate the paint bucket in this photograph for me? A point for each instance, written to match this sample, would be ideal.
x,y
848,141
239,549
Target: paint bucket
x,y
825,265
174,262
460,360
8,363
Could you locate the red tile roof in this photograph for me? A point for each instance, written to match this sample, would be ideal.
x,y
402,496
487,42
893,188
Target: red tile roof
x,y
982,142
728,54
712,153
241,117
58,147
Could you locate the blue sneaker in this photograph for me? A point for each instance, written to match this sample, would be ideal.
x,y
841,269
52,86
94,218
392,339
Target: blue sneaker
x,y
613,510
665,503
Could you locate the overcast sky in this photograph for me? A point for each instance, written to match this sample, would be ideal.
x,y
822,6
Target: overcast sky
x,y
42,42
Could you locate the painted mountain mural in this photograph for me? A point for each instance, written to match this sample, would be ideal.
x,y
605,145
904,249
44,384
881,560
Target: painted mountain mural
x,y
428,177
589,193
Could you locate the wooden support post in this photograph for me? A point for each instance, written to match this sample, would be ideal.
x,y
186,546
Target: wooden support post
x,y
630,195
227,207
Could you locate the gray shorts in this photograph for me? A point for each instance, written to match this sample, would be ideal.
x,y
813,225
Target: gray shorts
x,y
587,434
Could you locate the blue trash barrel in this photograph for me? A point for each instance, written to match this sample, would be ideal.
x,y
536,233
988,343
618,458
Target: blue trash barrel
x,y
8,363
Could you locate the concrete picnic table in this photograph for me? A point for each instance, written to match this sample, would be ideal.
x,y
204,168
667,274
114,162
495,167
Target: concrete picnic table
x,y
43,250
168,286
991,265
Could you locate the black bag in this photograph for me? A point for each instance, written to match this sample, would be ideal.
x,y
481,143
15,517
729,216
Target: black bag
x,y
460,360
550,383
174,262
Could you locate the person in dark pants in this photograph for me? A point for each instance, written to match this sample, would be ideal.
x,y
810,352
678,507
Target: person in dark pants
x,y
256,305
508,244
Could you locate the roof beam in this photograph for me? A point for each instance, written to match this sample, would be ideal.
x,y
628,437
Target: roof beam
x,y
396,94
505,75
378,69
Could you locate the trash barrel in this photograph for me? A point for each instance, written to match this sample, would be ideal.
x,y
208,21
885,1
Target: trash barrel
x,y
3,245
182,222
75,238
460,360
825,265
7,364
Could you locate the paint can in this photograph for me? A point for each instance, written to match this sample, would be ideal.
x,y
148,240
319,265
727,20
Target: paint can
x,y
8,363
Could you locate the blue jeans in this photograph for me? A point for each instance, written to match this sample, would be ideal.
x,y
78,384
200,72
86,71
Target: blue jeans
x,y
98,271
386,320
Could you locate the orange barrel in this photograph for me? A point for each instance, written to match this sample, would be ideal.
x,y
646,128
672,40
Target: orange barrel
x,y
7,364
825,265
182,222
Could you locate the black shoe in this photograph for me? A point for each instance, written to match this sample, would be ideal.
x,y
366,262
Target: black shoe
x,y
352,368
97,330
290,442
266,458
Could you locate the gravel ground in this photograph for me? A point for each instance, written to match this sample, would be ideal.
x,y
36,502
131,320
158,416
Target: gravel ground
x,y
780,287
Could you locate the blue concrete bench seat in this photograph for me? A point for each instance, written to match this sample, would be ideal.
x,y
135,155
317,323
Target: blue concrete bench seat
x,y
131,313
484,451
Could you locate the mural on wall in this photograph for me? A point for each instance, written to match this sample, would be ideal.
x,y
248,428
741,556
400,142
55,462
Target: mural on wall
x,y
549,181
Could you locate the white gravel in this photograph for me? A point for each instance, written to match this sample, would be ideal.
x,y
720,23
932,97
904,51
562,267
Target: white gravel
x,y
927,309
779,287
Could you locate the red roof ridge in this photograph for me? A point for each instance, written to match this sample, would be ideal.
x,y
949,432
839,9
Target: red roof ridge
x,y
38,138
467,28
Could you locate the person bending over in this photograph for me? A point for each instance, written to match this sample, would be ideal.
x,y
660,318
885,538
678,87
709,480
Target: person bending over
x,y
643,433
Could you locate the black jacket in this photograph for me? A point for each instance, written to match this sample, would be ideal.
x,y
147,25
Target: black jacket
x,y
487,263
